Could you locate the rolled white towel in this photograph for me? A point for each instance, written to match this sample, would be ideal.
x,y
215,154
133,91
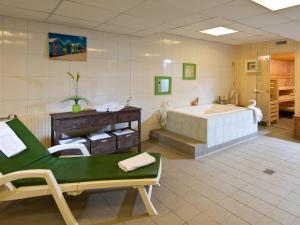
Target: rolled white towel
x,y
258,115
252,103
136,162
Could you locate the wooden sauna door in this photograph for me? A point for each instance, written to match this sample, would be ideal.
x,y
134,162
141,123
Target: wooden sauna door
x,y
263,87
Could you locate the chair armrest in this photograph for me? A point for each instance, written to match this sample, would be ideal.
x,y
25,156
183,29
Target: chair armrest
x,y
34,173
58,148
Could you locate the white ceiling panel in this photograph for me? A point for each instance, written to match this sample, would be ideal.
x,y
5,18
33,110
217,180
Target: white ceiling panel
x,y
238,35
293,35
22,13
282,28
112,5
179,17
235,10
238,27
206,24
195,5
265,20
71,21
38,5
194,18
75,10
131,21
292,13
157,10
116,29
162,28
179,31
257,32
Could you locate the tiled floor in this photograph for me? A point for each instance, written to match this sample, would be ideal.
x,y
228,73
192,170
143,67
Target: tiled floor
x,y
226,188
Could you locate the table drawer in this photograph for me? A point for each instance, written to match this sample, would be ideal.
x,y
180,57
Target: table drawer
x,y
104,146
103,120
72,124
127,140
128,116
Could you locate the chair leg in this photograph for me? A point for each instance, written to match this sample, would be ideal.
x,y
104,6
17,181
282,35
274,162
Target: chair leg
x,y
61,201
146,199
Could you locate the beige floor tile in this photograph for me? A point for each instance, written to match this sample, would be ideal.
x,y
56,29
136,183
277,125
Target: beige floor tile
x,y
215,195
260,206
255,191
218,214
293,197
290,207
225,188
296,222
281,216
169,219
267,221
271,198
202,204
231,204
234,220
202,219
249,215
187,212
242,197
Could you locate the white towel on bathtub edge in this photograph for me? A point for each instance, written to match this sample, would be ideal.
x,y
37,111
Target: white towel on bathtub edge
x,y
10,144
258,116
136,162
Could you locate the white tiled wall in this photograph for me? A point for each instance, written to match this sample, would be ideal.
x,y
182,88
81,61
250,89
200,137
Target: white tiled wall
x,y
116,69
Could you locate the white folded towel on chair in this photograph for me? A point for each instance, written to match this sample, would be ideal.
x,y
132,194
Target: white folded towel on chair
x,y
10,144
136,162
258,116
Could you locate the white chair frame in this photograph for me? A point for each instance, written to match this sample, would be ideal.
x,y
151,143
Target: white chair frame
x,y
10,192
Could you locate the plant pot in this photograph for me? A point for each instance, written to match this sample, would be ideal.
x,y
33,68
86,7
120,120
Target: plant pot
x,y
76,108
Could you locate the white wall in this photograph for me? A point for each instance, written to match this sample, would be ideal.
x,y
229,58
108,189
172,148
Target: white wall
x,y
30,83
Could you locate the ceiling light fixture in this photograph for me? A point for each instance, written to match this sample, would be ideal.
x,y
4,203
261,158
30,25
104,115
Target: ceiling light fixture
x,y
278,4
218,31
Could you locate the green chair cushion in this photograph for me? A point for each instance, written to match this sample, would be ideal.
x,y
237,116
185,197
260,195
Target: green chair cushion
x,y
34,152
93,168
68,170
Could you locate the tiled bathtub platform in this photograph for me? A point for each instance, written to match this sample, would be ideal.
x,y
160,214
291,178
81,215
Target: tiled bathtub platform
x,y
190,147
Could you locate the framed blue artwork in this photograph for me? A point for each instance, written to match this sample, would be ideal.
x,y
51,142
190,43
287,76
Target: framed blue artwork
x,y
67,47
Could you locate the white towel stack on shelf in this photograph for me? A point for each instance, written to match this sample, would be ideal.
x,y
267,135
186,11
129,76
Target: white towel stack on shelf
x,y
10,144
257,111
136,162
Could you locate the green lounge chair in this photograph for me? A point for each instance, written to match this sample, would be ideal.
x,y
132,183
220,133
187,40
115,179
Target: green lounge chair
x,y
35,172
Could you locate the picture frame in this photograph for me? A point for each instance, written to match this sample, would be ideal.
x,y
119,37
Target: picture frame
x,y
189,71
67,47
251,66
163,85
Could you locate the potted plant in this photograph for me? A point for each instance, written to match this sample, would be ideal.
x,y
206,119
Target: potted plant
x,y
76,98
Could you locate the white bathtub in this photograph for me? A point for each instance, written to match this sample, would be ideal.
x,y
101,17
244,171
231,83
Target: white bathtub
x,y
212,124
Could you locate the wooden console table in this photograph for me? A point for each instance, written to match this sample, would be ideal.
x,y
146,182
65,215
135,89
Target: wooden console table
x,y
89,121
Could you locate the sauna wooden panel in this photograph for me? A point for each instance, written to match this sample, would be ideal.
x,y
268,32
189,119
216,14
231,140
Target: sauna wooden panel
x,y
246,81
297,127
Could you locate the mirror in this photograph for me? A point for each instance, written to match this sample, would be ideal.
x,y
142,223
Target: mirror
x,y
163,85
189,71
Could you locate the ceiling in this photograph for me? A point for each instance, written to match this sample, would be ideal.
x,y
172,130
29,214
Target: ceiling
x,y
180,17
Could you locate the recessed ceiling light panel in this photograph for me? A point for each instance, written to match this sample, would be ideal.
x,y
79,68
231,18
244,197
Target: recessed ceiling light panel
x,y
277,4
218,31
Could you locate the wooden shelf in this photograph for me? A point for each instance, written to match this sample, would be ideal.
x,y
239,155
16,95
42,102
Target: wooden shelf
x,y
287,108
286,88
286,98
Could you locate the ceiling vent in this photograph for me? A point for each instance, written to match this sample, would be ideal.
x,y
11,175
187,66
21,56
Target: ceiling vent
x,y
284,42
